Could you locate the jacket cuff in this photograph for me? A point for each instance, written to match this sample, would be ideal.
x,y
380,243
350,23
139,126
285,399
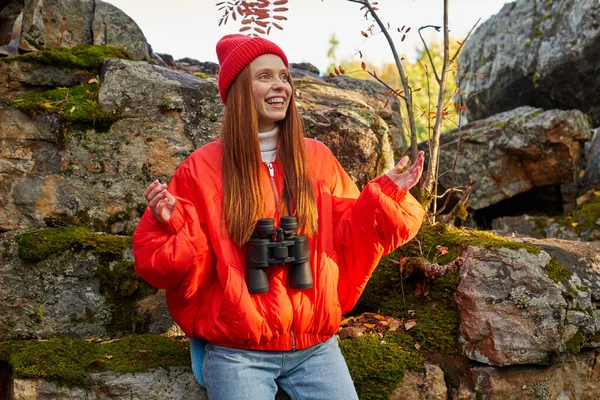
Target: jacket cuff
x,y
177,219
390,189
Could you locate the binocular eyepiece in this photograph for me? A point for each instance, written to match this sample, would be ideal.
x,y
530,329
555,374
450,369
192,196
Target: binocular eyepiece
x,y
268,246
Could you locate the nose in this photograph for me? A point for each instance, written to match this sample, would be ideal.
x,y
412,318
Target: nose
x,y
278,84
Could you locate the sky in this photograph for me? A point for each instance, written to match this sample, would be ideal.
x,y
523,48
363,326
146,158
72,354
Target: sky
x,y
189,28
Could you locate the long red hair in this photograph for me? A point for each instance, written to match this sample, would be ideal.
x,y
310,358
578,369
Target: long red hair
x,y
243,203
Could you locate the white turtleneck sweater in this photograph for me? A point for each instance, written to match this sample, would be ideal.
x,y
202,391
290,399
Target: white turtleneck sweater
x,y
268,145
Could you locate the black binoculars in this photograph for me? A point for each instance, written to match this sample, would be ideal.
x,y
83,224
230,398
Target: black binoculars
x,y
268,246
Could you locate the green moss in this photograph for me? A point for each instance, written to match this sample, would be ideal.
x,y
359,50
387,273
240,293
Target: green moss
x,y
37,245
535,79
557,271
588,213
77,104
377,366
201,75
501,125
119,216
84,56
68,362
574,345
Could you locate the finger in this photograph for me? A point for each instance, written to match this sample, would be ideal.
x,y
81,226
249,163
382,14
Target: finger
x,y
156,191
170,198
155,202
150,187
401,164
152,191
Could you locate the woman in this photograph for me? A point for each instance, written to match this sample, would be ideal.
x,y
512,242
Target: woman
x,y
193,238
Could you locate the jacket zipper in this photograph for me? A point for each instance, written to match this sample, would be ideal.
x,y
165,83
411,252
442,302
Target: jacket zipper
x,y
272,175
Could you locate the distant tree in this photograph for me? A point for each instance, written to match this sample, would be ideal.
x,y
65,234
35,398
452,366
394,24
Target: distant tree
x,y
421,77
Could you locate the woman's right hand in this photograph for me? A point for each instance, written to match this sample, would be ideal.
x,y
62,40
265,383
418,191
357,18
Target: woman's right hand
x,y
161,202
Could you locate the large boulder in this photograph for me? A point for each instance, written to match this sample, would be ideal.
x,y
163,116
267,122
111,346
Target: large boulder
x,y
349,123
525,307
156,384
515,151
592,152
74,283
578,377
538,53
89,22
111,26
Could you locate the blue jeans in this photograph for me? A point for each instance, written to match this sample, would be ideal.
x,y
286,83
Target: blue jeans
x,y
318,372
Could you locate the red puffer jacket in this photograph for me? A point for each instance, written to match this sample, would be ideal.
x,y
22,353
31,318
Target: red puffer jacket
x,y
203,271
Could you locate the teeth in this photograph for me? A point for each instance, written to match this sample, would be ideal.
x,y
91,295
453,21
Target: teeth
x,y
277,100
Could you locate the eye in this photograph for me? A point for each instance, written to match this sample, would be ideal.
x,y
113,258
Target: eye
x,y
285,77
263,76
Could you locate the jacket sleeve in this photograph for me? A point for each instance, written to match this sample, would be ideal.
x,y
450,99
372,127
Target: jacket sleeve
x,y
368,226
166,252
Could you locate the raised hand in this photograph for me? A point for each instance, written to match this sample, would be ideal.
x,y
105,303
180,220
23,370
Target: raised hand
x,y
411,176
161,202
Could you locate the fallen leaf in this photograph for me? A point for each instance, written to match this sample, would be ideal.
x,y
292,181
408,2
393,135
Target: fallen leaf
x,y
72,109
597,193
409,324
370,326
108,357
574,224
93,80
394,324
346,321
417,346
382,323
379,317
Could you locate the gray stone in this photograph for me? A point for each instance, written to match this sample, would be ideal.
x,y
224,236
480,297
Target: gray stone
x,y
577,377
44,24
512,312
515,151
111,26
173,383
538,53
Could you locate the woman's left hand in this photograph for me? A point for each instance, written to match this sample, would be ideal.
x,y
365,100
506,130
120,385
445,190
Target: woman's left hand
x,y
411,176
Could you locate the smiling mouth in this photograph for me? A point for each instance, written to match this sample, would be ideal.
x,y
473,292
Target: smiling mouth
x,y
275,101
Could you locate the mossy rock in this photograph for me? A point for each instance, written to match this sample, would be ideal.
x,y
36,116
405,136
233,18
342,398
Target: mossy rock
x,y
68,362
84,56
437,313
588,213
77,105
119,284
37,245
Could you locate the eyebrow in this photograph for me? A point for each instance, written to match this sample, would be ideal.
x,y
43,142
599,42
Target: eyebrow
x,y
271,70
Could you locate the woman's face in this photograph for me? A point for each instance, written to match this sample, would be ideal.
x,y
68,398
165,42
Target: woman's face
x,y
271,90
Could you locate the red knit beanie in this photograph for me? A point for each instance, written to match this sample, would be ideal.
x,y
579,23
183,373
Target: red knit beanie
x,y
236,51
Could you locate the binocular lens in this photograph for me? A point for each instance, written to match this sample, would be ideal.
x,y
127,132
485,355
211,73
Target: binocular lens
x,y
289,224
265,227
